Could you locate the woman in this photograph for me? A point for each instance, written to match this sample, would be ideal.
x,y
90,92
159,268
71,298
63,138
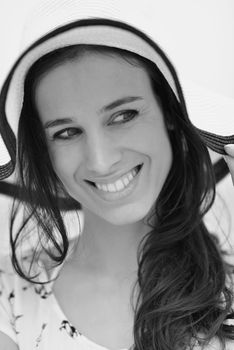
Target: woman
x,y
100,118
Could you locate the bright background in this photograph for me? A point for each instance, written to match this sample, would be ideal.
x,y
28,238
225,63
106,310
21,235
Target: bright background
x,y
198,36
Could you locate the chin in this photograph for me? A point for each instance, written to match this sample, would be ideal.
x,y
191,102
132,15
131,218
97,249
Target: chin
x,y
126,217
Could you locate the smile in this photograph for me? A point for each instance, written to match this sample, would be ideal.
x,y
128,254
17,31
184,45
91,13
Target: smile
x,y
119,186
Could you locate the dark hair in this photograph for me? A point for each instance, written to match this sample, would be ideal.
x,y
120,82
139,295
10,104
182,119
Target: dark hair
x,y
182,274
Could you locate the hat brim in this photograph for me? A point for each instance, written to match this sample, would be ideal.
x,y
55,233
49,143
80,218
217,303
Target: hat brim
x,y
114,34
211,113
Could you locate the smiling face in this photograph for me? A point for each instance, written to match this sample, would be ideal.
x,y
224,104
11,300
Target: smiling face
x,y
106,135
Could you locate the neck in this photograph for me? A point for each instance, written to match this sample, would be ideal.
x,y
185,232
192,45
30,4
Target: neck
x,y
109,250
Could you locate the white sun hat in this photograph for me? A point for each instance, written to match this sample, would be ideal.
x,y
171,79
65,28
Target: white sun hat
x,y
54,24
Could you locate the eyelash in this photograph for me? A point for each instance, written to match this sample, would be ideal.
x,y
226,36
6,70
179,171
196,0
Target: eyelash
x,y
58,135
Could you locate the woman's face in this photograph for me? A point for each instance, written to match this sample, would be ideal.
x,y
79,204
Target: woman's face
x,y
106,135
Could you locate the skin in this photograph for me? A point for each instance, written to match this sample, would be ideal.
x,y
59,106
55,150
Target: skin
x,y
97,149
100,145
95,144
7,343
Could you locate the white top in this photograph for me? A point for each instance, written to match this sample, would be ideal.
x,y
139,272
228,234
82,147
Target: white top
x,y
31,316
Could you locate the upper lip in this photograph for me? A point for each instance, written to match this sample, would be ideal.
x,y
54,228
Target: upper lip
x,y
110,179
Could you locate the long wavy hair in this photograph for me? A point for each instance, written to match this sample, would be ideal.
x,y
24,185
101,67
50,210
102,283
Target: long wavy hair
x,y
182,275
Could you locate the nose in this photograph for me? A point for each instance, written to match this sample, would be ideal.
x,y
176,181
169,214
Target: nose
x,y
101,154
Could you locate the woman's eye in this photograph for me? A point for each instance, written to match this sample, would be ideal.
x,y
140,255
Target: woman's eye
x,y
124,117
67,134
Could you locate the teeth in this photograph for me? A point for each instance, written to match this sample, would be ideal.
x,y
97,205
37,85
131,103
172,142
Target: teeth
x,y
125,181
130,176
120,184
105,187
111,188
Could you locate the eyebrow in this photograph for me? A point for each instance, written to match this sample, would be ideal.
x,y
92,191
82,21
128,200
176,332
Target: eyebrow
x,y
119,102
110,106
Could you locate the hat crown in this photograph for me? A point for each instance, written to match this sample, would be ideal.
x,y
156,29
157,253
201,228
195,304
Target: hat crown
x,y
49,15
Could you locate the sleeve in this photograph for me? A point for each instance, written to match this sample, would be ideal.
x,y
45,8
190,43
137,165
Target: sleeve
x,y
6,313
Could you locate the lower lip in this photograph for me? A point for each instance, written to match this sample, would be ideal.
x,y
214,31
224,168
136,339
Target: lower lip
x,y
112,196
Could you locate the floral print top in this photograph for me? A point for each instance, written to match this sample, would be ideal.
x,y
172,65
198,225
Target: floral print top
x,y
31,316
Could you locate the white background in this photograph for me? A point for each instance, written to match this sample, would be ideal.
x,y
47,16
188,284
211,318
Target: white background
x,y
197,34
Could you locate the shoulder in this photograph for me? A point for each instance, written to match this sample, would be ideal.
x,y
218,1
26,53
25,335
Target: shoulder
x,y
11,284
14,287
23,306
8,334
18,295
7,277
10,281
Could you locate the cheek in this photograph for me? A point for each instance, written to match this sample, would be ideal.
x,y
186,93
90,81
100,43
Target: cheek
x,y
152,138
64,161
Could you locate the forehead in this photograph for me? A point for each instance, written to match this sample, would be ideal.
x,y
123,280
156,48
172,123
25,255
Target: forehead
x,y
93,79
